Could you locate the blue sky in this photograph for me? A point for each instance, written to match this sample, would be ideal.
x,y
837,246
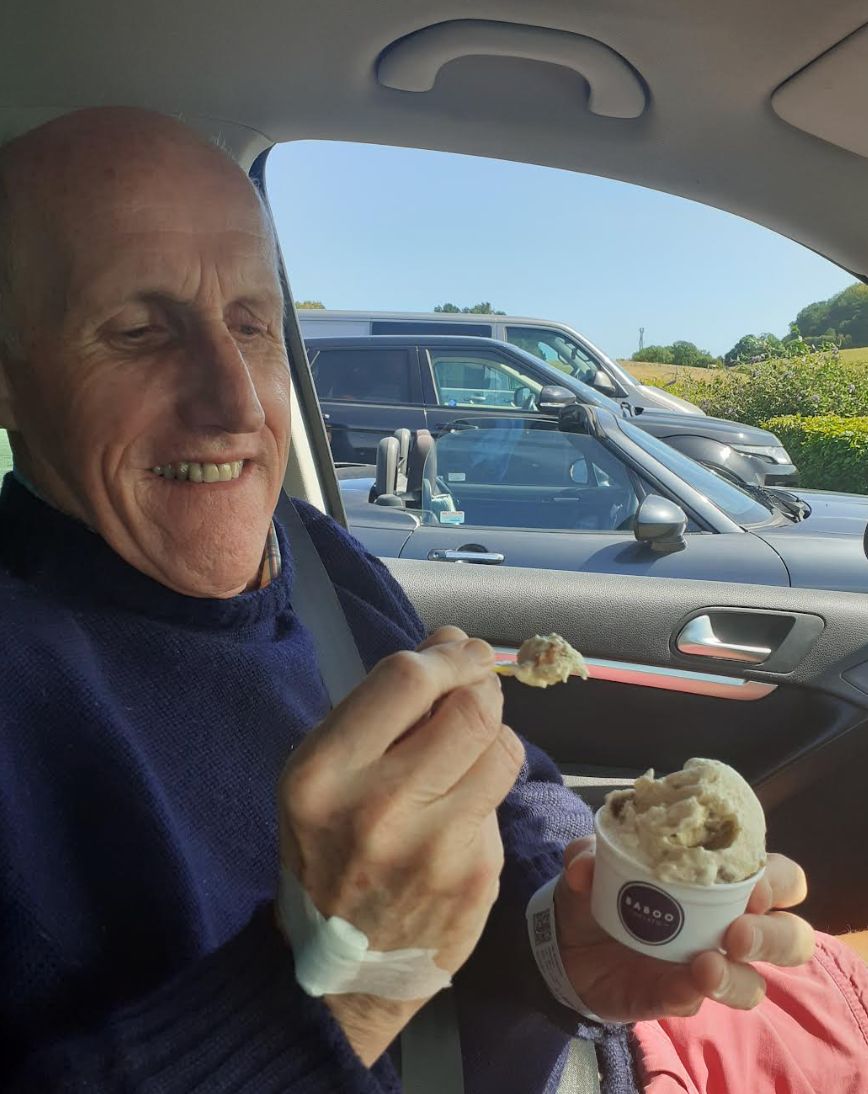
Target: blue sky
x,y
387,229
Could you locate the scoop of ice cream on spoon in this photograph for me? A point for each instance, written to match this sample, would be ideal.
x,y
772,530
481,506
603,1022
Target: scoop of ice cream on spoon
x,y
545,660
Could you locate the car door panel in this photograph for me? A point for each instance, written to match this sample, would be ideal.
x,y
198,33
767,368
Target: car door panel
x,y
706,556
800,736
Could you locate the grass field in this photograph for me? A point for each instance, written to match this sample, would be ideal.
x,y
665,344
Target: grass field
x,y
648,372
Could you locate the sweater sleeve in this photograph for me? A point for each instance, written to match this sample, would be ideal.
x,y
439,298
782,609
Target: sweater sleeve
x,y
234,1021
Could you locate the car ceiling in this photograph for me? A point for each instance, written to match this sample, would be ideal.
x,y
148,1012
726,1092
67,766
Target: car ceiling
x,y
700,91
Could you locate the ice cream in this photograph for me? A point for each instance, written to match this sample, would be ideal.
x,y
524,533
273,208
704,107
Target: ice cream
x,y
545,660
701,825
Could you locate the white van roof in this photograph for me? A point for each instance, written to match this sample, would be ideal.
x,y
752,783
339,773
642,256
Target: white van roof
x,y
430,316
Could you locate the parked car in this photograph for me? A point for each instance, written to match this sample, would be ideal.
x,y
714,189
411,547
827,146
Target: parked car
x,y
590,491
556,343
369,386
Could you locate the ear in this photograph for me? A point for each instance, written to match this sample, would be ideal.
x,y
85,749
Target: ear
x,y
7,414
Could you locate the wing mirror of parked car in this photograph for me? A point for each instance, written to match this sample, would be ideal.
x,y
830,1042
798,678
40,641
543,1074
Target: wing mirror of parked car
x,y
660,524
603,382
553,397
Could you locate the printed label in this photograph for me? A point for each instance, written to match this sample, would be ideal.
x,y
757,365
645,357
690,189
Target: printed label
x,y
454,517
649,914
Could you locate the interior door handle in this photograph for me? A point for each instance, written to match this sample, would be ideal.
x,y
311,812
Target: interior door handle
x,y
485,558
698,639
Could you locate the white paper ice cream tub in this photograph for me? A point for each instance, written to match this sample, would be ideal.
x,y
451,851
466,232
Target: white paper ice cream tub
x,y
671,920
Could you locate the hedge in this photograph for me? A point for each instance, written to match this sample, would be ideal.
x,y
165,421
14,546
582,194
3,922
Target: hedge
x,y
819,383
830,451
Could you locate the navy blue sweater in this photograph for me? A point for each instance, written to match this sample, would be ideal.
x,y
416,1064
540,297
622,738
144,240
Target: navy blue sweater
x,y
142,734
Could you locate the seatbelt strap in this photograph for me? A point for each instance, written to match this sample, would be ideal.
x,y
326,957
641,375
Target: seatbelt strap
x,y
431,1060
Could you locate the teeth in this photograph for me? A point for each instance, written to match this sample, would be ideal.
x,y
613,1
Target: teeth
x,y
188,471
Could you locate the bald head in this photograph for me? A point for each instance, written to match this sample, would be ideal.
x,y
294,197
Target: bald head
x,y
58,179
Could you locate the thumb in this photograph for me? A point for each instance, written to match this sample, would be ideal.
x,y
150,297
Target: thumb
x,y
579,864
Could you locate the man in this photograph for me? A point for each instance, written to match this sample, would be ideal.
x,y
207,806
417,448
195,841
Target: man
x,y
155,679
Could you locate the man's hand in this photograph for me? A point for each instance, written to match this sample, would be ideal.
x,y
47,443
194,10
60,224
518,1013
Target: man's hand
x,y
621,985
387,813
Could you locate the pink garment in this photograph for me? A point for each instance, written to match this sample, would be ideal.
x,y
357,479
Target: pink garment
x,y
809,1035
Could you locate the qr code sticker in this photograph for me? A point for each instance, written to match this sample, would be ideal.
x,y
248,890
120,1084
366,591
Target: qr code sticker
x,y
542,928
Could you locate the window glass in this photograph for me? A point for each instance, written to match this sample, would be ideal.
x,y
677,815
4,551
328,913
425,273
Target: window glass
x,y
556,349
737,505
413,326
5,454
513,475
470,380
363,375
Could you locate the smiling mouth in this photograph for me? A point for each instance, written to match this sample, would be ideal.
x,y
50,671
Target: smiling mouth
x,y
191,471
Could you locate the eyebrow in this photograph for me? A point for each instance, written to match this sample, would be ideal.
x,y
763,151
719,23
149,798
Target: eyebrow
x,y
251,301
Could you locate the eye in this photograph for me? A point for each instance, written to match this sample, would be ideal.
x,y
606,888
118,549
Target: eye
x,y
139,334
248,330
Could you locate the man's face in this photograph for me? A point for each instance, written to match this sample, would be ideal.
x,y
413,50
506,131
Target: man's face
x,y
154,401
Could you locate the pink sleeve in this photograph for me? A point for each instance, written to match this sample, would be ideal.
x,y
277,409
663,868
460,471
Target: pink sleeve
x,y
809,1034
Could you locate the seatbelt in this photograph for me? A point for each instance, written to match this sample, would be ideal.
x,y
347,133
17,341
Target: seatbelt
x,y
431,1060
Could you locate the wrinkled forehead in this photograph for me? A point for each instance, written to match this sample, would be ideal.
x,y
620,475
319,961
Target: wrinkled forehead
x,y
119,227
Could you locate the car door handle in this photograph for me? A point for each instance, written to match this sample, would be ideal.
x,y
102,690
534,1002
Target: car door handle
x,y
484,558
698,639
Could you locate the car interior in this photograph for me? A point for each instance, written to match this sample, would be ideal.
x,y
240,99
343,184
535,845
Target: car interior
x,y
755,108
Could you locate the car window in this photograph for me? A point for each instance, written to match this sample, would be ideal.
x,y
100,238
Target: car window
x,y
416,327
465,379
738,506
515,476
5,453
363,375
555,349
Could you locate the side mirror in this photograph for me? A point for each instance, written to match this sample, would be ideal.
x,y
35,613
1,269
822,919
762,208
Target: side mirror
x,y
660,524
603,382
553,397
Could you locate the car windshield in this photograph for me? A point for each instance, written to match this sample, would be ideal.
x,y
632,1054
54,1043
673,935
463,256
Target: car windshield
x,y
738,505
520,474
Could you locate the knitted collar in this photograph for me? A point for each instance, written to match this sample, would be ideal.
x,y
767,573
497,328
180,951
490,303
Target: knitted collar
x,y
56,552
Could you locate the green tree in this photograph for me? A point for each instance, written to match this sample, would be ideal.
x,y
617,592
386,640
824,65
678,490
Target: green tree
x,y
688,353
658,354
484,308
309,304
754,347
841,320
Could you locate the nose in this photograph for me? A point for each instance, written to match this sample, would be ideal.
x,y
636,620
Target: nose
x,y
221,395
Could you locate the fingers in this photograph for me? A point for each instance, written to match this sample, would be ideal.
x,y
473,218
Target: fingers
x,y
779,938
787,880
463,726
727,982
783,885
489,780
579,864
441,635
397,694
